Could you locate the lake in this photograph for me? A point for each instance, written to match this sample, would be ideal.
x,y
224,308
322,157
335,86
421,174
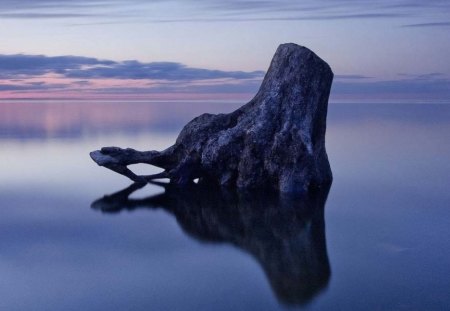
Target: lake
x,y
75,236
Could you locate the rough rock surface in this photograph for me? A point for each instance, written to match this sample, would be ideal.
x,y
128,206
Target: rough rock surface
x,y
277,140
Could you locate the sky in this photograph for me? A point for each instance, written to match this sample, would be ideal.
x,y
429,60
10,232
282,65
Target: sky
x,y
211,49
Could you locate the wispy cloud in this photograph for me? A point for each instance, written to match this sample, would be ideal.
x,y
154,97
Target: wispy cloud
x,y
44,15
350,77
29,5
322,17
35,86
63,9
435,24
421,86
424,76
218,10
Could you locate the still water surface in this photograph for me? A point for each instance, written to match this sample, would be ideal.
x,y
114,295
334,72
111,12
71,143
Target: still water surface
x,y
74,236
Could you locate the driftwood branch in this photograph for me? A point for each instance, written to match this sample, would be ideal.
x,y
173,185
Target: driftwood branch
x,y
117,160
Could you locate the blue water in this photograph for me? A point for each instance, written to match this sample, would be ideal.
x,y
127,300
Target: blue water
x,y
379,240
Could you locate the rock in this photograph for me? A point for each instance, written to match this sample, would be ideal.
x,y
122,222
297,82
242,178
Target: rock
x,y
284,233
275,141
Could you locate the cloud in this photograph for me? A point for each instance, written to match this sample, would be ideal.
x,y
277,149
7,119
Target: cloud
x,y
426,25
285,10
61,9
83,76
323,17
157,71
20,65
81,82
34,86
240,5
350,77
43,15
244,87
21,74
30,5
424,85
424,76
219,10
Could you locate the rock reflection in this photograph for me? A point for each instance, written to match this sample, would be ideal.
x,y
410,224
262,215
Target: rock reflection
x,y
286,234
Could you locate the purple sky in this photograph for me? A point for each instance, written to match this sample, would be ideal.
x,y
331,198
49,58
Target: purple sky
x,y
211,49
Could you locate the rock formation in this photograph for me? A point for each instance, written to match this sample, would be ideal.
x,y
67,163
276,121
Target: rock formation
x,y
276,141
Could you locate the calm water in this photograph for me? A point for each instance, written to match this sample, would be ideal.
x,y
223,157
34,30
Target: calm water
x,y
74,237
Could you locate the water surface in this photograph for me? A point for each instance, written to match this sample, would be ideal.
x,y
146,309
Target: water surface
x,y
379,240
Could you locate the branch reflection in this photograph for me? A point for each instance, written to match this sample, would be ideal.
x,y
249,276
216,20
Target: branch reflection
x,y
285,234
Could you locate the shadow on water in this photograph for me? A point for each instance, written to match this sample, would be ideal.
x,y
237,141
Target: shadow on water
x,y
285,234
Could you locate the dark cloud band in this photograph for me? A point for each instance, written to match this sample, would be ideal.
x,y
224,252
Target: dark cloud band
x,y
17,66
28,73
